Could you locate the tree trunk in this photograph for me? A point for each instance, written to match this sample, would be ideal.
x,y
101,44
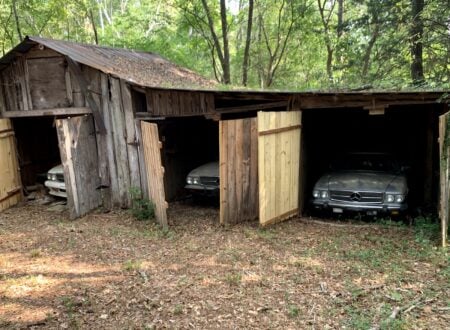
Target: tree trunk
x,y
368,52
91,16
330,63
224,65
16,18
247,44
416,42
226,50
340,26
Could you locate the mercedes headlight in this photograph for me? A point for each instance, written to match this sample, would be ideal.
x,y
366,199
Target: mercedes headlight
x,y
320,193
390,198
196,180
189,180
399,198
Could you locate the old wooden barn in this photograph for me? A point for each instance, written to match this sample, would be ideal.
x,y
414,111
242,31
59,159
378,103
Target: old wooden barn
x,y
119,119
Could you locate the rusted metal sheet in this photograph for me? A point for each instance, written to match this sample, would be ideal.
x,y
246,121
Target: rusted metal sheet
x,y
138,67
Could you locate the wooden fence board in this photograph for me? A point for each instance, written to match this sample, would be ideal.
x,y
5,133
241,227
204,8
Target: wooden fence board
x,y
444,206
10,183
279,165
154,169
238,170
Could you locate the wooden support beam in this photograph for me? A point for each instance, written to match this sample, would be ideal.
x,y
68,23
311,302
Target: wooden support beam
x,y
49,112
356,100
254,107
74,67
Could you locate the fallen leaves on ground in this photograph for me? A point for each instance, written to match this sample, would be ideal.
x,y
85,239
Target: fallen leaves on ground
x,y
109,271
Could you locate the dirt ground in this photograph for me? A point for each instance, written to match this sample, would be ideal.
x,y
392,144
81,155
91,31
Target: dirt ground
x,y
109,271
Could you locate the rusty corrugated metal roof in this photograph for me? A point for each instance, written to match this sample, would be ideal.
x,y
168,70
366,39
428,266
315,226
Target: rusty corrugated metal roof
x,y
138,67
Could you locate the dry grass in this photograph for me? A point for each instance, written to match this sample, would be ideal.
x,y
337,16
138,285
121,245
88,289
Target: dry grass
x,y
107,271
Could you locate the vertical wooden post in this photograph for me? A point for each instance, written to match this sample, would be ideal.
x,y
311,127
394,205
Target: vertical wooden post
x,y
444,158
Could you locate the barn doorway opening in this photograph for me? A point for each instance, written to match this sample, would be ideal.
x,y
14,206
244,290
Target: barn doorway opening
x,y
37,147
406,134
187,144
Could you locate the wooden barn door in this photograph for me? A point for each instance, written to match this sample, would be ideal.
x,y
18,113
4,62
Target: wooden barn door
x,y
444,176
155,171
78,149
10,183
238,158
278,165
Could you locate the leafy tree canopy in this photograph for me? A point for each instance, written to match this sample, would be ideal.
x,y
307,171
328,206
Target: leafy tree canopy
x,y
283,44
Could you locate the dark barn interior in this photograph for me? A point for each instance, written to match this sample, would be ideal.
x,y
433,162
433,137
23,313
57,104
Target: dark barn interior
x,y
187,143
37,145
408,133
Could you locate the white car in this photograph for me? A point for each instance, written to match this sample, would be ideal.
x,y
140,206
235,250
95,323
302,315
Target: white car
x,y
55,182
204,180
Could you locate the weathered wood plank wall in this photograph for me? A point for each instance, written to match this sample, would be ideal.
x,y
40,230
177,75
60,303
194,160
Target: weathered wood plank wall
x,y
39,80
179,103
278,165
78,149
238,170
10,183
120,144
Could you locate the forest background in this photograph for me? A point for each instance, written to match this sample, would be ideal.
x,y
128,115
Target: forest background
x,y
278,44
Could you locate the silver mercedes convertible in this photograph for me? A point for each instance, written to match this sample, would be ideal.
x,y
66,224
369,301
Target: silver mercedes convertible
x,y
371,183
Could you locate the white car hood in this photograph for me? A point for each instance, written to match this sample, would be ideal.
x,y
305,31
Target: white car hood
x,y
209,170
58,169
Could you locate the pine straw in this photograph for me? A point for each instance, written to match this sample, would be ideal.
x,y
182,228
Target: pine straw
x,y
108,271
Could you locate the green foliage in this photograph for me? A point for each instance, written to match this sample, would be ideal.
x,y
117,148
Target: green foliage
x,y
141,208
289,45
426,229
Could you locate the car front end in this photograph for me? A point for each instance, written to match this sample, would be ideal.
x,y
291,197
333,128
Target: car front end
x,y
55,182
370,193
204,180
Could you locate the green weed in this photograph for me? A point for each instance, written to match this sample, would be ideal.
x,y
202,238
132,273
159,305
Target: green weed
x,y
266,234
141,208
233,279
293,311
131,265
178,309
35,253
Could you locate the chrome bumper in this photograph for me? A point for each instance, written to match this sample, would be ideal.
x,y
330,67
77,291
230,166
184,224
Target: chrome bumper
x,y
203,189
56,188
358,207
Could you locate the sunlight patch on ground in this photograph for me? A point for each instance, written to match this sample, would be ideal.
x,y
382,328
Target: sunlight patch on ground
x,y
23,313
